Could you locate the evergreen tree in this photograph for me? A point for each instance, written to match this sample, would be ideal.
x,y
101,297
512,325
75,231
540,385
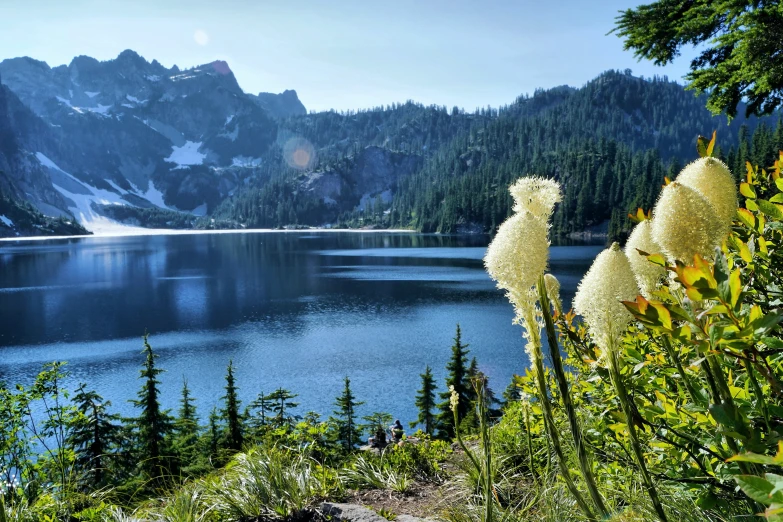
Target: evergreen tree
x,y
230,413
348,433
425,402
186,428
94,436
458,378
213,434
154,425
280,403
257,415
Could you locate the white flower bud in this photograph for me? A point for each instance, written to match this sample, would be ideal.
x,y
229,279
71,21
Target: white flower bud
x,y
609,281
685,224
553,291
648,275
711,178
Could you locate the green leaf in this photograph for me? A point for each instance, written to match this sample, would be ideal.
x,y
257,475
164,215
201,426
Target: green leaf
x,y
770,209
779,183
702,144
747,191
747,218
758,489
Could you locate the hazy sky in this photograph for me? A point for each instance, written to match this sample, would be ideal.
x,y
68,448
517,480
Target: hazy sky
x,y
344,54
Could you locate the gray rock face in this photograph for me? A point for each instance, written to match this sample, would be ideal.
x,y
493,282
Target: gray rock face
x,y
357,513
139,130
280,105
359,180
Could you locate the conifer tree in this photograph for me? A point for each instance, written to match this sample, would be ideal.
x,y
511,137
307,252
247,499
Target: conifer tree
x,y
348,433
458,378
213,434
94,436
230,413
280,402
154,425
186,428
257,415
425,402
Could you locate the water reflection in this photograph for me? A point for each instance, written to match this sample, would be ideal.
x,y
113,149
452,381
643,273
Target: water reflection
x,y
298,310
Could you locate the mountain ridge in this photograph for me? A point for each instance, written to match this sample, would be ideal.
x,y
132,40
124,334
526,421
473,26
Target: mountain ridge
x,y
188,143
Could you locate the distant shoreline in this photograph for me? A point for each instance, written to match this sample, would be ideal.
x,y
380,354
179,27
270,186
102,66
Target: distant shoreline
x,y
183,232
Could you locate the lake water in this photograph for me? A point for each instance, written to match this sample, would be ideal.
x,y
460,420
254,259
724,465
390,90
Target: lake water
x,y
298,310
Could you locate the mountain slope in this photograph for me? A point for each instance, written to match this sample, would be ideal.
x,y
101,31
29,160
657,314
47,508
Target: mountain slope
x,y
127,141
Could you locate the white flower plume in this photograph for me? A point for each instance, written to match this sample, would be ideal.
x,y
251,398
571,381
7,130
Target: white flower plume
x,y
609,281
536,195
711,178
648,275
454,399
518,256
685,224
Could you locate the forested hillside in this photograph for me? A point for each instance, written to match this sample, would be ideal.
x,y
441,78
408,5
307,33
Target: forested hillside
x,y
610,143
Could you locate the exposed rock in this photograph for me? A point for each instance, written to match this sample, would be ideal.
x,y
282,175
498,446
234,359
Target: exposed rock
x,y
357,513
280,105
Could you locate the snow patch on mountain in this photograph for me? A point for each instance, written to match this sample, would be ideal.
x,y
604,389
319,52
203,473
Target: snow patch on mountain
x,y
186,155
244,161
10,224
154,196
81,205
91,94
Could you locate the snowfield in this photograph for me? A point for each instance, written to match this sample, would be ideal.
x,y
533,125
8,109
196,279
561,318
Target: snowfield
x,y
186,155
82,204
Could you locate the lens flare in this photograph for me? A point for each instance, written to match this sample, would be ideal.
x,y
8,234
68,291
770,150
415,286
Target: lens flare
x,y
201,37
299,153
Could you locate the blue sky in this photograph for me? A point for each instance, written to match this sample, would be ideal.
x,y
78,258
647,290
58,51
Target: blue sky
x,y
344,54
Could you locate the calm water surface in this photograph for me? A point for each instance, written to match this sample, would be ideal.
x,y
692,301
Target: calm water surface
x,y
293,310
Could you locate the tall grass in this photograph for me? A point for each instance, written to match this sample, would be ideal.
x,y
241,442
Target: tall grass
x,y
265,482
366,474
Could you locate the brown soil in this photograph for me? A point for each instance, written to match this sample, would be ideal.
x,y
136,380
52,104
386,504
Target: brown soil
x,y
425,500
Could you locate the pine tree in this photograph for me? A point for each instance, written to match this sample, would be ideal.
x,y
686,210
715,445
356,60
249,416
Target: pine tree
x,y
94,436
230,413
458,378
280,402
425,402
154,425
213,434
186,428
348,433
257,416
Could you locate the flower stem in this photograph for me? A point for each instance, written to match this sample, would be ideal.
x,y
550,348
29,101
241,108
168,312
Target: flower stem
x,y
554,435
568,404
622,394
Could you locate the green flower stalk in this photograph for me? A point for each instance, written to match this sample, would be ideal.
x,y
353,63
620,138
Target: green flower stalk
x,y
686,224
648,275
516,259
609,281
544,288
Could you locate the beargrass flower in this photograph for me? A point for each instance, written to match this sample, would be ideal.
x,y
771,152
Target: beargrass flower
x,y
685,224
609,281
454,399
711,178
648,275
536,195
517,257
